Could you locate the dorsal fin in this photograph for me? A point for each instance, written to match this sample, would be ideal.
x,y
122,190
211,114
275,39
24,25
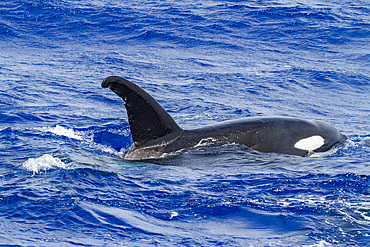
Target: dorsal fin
x,y
147,119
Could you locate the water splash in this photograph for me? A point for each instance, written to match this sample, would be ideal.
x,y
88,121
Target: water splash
x,y
43,163
62,131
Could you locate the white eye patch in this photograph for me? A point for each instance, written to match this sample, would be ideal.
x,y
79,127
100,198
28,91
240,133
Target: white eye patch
x,y
310,143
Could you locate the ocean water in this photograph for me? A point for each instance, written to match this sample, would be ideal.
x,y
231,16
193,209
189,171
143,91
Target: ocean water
x,y
63,181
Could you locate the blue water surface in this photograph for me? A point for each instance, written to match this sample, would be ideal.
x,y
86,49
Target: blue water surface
x,y
63,181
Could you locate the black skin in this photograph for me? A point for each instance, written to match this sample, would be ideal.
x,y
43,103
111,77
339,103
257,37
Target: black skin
x,y
155,133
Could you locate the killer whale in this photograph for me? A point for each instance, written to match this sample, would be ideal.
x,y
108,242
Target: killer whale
x,y
155,133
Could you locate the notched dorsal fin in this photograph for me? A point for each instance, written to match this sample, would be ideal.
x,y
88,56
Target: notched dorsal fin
x,y
147,119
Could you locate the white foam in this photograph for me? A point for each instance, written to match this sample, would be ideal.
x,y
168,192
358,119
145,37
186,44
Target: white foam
x,y
310,143
43,163
174,214
62,131
110,150
322,243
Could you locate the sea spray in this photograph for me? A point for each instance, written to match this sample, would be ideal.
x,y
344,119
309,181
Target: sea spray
x,y
62,131
43,163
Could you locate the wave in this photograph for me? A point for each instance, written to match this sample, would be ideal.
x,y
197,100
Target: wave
x,y
43,163
62,131
211,26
